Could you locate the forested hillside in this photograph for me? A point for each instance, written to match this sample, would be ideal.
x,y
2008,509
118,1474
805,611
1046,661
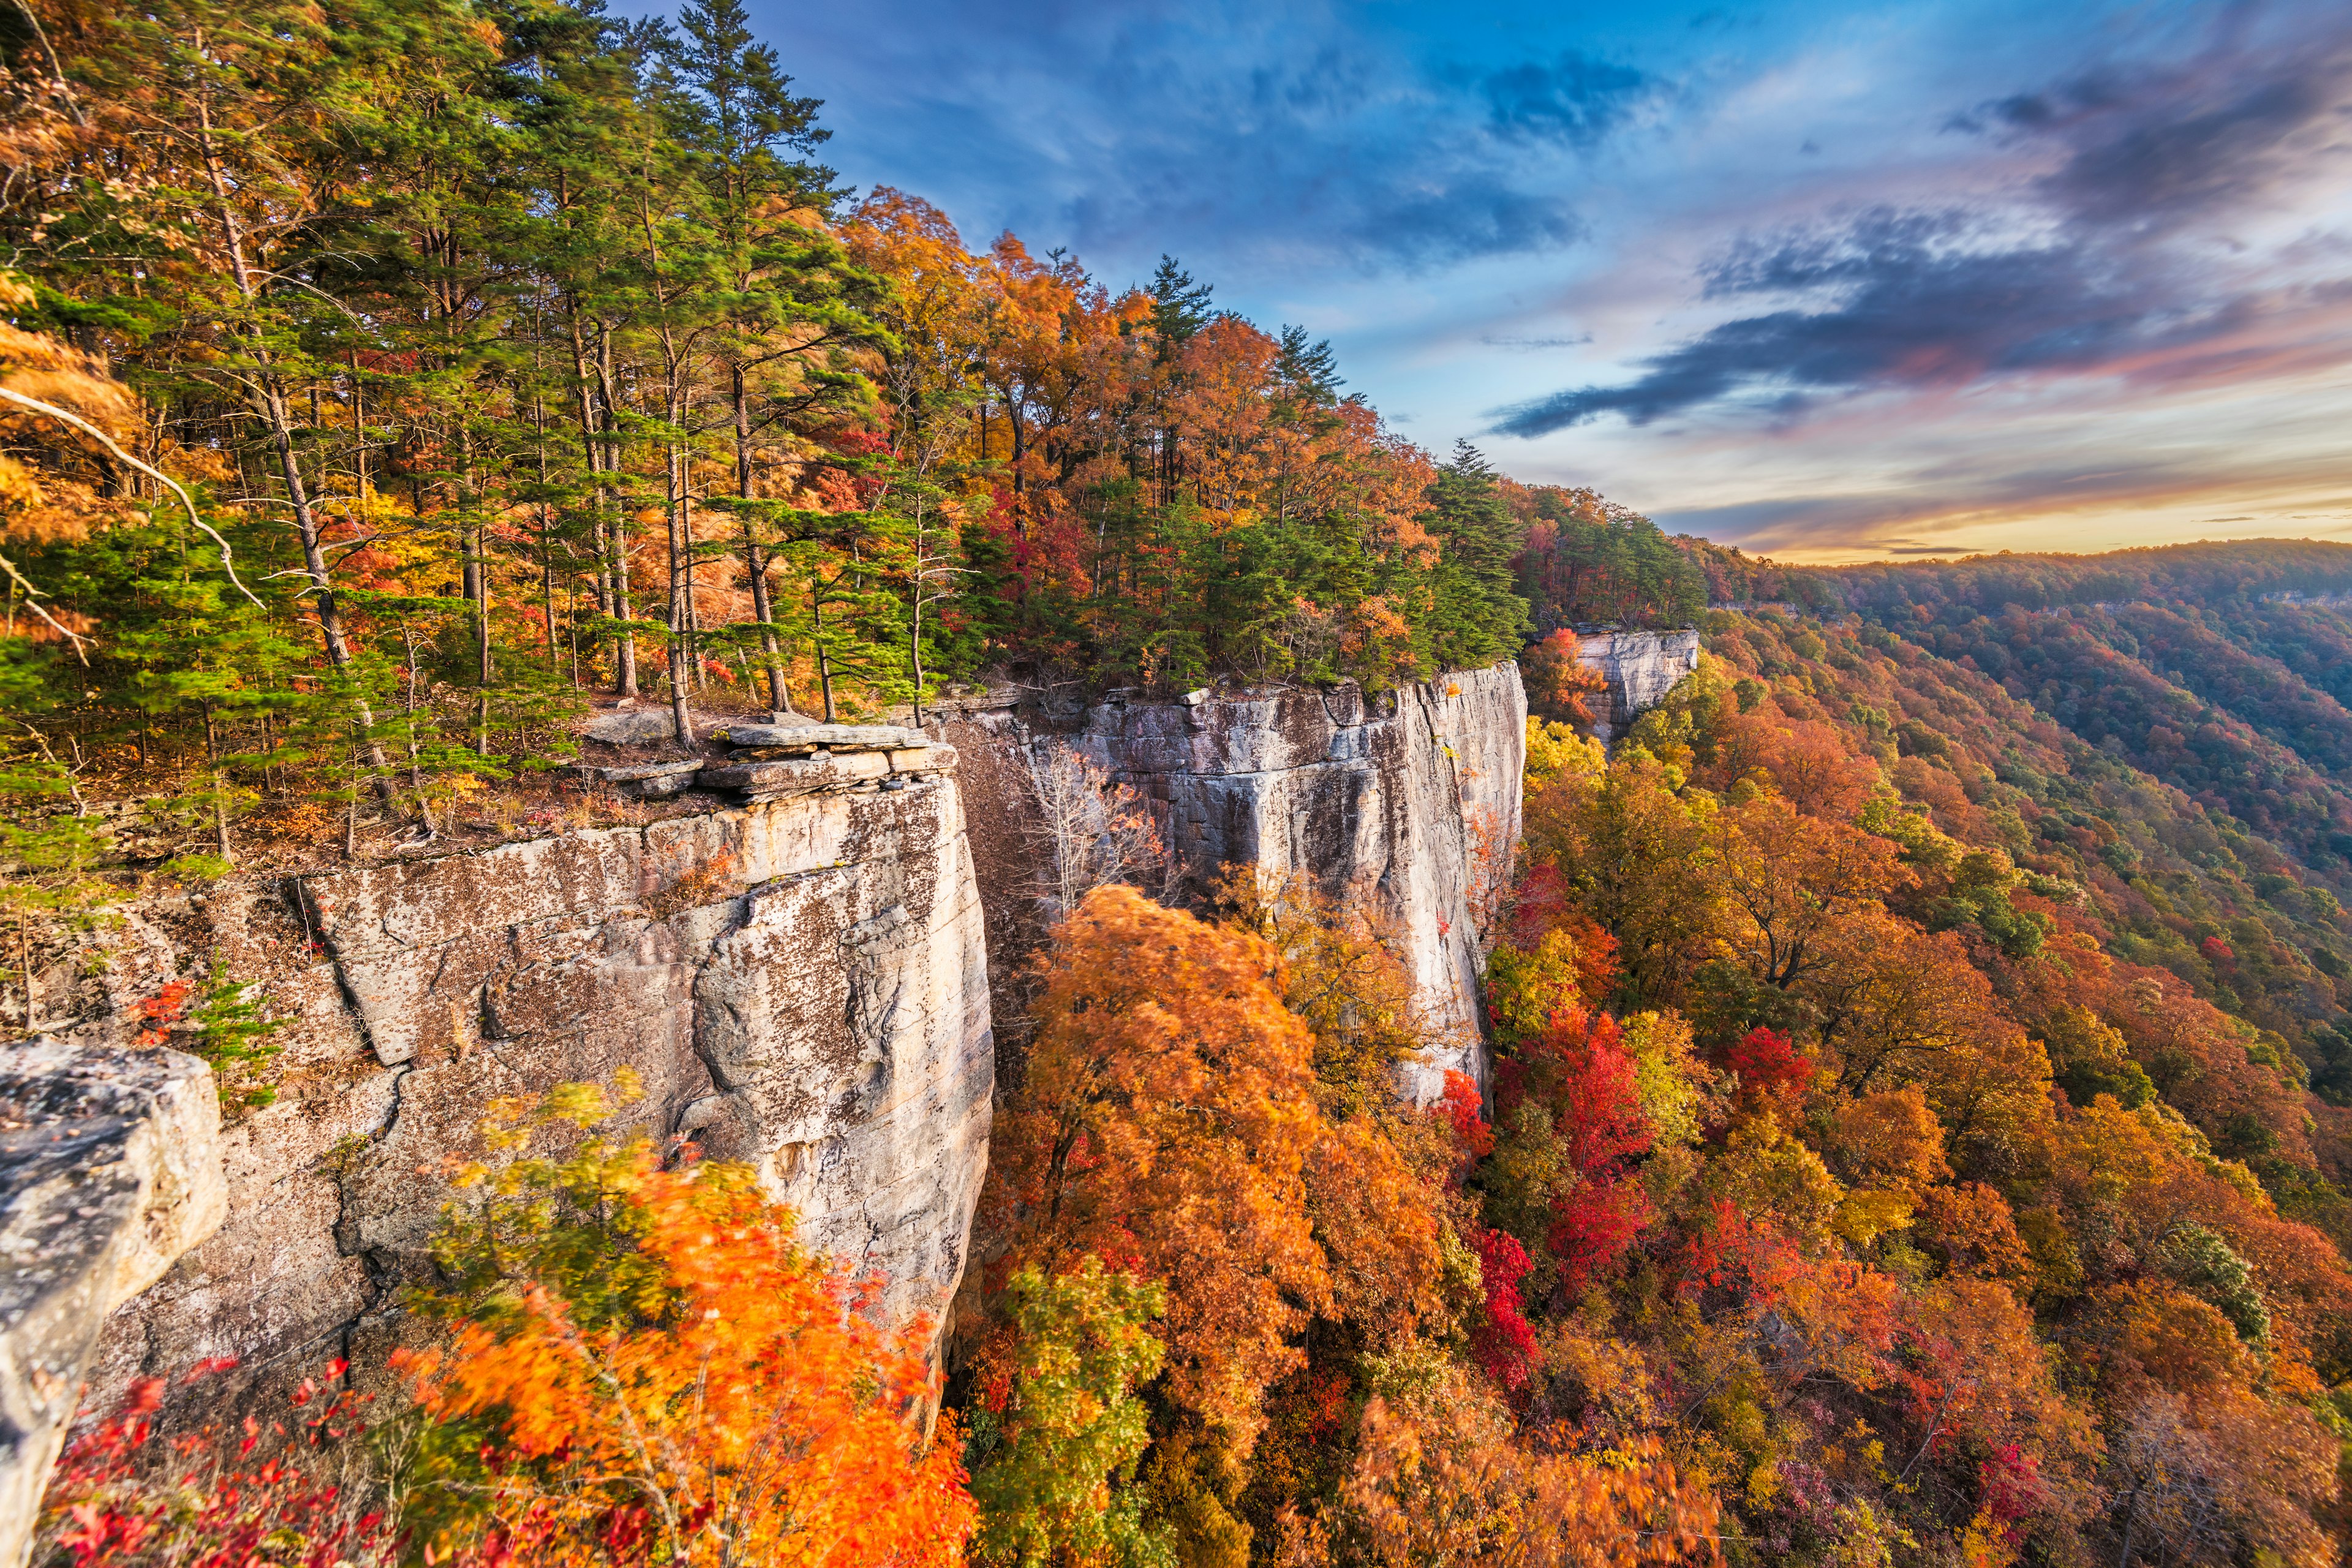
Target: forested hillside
x,y
1999,900
2215,668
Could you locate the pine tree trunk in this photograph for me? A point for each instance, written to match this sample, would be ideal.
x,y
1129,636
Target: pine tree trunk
x,y
268,394
755,564
816,623
597,425
679,717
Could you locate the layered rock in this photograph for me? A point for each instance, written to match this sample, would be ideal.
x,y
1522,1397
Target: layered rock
x,y
1640,667
109,1170
1405,803
800,983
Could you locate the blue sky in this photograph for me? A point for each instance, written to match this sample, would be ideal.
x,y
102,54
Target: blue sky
x,y
1832,281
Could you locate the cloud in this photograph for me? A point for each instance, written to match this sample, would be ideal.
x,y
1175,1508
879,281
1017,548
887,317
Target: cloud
x,y
1337,150
1261,142
1529,345
2167,147
1576,99
2103,263
1472,214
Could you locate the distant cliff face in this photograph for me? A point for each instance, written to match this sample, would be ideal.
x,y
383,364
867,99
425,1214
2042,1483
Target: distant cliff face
x,y
801,985
1640,667
1406,804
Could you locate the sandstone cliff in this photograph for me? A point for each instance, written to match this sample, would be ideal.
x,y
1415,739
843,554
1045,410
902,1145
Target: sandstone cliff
x,y
801,983
1640,667
110,1169
1406,802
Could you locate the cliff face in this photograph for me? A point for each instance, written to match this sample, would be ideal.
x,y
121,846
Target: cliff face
x,y
801,985
1640,667
109,1168
1406,803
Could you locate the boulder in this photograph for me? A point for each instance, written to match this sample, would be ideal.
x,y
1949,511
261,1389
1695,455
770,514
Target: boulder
x,y
655,788
109,1170
788,738
796,775
631,726
644,781
636,773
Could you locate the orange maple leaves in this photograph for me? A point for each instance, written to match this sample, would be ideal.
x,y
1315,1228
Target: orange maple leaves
x,y
756,1415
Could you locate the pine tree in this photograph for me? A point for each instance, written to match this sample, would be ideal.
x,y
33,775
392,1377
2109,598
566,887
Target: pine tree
x,y
1475,615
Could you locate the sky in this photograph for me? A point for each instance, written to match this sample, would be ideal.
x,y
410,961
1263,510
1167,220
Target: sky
x,y
1828,281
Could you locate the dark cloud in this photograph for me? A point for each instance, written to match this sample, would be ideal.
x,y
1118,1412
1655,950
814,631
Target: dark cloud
x,y
1407,220
1917,305
2186,142
1926,298
1577,100
1472,214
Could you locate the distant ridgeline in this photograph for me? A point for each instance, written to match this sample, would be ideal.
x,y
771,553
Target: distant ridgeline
x,y
2170,729
2205,572
2221,670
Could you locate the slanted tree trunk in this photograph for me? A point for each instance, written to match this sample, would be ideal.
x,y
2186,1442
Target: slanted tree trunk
x,y
266,396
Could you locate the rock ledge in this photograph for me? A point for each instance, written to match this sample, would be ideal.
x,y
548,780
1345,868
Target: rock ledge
x,y
110,1169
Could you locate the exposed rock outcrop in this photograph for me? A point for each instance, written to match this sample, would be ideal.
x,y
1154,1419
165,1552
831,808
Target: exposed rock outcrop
x,y
109,1170
1640,667
800,983
1406,802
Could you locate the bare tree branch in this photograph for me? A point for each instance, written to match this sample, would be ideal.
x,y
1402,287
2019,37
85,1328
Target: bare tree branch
x,y
158,475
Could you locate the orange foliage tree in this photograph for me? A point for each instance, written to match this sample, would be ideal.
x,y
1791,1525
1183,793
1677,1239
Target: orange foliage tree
x,y
1441,1477
645,1366
1164,1123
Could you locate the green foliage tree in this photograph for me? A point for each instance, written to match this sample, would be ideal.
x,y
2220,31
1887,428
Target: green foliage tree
x,y
1053,1459
1476,616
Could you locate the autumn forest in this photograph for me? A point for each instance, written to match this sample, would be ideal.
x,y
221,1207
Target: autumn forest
x,y
1919,1128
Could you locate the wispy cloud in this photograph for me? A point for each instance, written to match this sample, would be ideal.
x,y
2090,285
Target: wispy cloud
x,y
1531,345
2102,263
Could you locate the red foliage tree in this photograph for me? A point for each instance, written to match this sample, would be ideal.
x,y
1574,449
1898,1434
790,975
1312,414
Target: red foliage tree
x,y
1579,1071
1770,1070
1502,1340
1463,1114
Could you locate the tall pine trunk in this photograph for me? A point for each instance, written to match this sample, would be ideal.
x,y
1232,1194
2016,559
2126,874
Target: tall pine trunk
x,y
755,562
